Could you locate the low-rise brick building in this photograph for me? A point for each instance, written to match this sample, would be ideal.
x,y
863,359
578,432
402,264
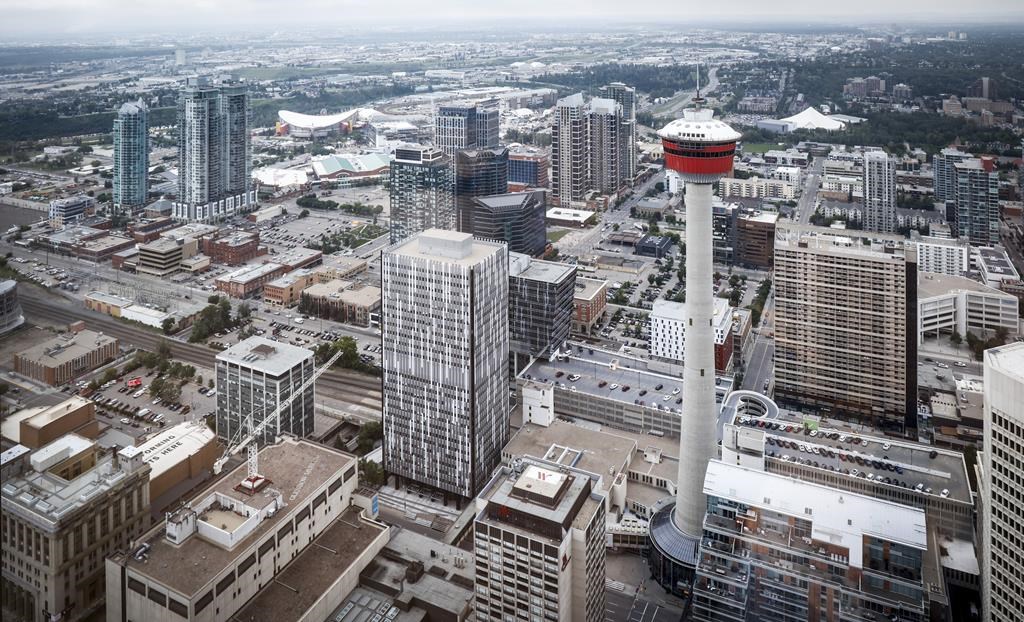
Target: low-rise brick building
x,y
64,358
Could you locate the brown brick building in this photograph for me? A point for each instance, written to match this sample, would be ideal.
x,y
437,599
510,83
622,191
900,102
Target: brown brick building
x,y
755,240
66,357
233,248
588,303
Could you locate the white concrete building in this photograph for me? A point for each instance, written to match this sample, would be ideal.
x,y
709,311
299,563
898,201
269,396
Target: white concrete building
x,y
757,188
999,478
943,255
668,333
993,265
792,174
955,303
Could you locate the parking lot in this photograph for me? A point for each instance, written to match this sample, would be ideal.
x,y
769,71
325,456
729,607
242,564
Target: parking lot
x,y
135,412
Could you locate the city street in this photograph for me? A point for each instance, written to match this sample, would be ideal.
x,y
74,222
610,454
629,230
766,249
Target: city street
x,y
808,202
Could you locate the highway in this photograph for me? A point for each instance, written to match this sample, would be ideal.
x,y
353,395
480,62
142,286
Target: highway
x,y
342,385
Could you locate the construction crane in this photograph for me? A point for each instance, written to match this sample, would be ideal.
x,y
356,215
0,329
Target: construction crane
x,y
238,443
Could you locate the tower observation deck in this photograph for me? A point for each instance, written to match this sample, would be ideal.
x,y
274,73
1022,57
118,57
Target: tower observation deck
x,y
700,150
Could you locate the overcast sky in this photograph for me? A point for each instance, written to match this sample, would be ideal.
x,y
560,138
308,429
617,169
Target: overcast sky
x,y
87,17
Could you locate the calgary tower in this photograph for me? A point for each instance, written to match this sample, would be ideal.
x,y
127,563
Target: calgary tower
x,y
700,150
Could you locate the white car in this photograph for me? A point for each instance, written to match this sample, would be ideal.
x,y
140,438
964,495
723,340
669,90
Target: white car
x,y
126,421
960,364
675,391
613,386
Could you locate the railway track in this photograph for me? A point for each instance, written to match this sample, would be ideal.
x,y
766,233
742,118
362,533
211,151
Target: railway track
x,y
342,384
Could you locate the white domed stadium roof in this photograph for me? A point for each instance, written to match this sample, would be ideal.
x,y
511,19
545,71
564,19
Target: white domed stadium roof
x,y
318,122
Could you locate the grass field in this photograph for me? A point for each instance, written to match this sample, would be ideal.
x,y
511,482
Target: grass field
x,y
555,236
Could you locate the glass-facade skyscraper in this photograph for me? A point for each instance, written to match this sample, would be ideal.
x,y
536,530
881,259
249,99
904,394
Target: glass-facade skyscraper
x,y
131,156
478,173
214,152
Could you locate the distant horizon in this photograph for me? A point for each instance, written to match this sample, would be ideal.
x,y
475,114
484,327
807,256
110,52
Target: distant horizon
x,y
75,20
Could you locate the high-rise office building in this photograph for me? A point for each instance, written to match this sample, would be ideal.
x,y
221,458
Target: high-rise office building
x,y
422,192
983,87
540,303
214,152
539,539
977,201
625,96
445,358
528,168
516,218
1001,509
943,173
131,156
466,126
879,192
846,325
478,173
66,507
254,377
604,143
569,179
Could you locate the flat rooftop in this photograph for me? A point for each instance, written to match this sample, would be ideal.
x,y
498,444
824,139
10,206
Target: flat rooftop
x,y
845,241
599,452
587,288
271,357
296,468
523,267
298,257
931,284
110,299
996,261
168,448
946,470
250,273
446,247
303,581
507,487
630,376
290,278
1008,359
838,517
51,497
67,347
191,230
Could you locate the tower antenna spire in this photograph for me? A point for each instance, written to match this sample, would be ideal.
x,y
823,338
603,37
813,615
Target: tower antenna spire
x,y
698,100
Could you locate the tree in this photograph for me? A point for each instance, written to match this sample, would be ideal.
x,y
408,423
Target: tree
x,y
371,473
368,437
209,383
224,307
163,349
304,213
956,339
85,149
214,299
244,312
167,325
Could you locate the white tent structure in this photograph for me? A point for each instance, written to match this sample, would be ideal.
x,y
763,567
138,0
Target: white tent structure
x,y
810,119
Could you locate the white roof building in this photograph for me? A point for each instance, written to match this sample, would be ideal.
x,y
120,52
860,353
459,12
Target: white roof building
x,y
810,119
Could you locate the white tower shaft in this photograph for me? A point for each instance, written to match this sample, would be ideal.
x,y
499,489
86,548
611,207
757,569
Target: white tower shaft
x,y
697,437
